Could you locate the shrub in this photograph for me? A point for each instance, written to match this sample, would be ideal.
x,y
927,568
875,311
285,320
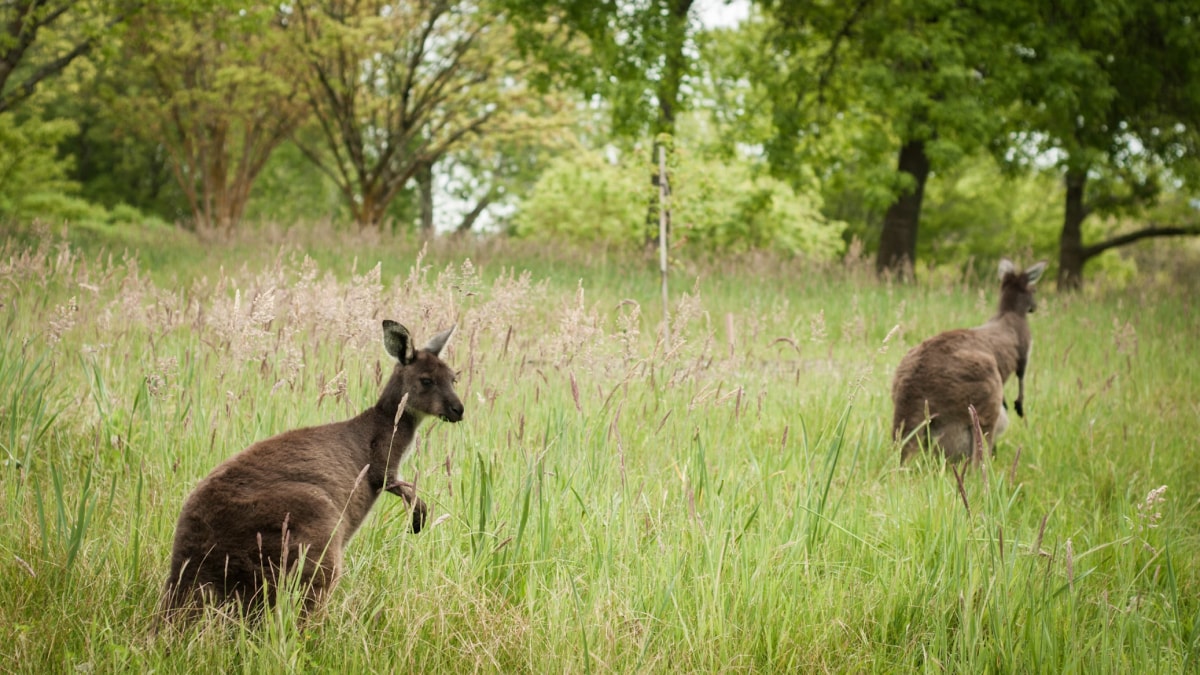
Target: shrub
x,y
31,172
729,207
716,206
586,198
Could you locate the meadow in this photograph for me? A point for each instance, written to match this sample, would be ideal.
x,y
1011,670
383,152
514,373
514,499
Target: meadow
x,y
723,496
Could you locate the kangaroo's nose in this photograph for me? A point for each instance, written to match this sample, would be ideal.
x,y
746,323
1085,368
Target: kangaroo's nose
x,y
454,412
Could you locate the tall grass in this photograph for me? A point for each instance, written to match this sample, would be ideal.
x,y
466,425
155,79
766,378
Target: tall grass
x,y
728,500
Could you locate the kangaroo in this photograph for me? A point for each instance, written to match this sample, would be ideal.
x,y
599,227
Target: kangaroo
x,y
291,503
939,378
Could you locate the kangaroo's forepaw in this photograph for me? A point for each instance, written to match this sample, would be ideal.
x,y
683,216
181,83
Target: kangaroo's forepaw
x,y
419,513
409,492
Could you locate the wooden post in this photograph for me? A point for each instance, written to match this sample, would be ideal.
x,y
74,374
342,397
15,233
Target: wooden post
x,y
663,221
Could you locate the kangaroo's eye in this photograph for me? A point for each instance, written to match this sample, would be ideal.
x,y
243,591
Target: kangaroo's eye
x,y
426,381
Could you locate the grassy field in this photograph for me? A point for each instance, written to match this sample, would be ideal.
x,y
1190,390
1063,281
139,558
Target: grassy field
x,y
728,499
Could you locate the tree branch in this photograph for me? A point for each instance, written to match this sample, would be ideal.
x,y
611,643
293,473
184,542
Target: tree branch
x,y
829,59
1094,250
25,89
469,219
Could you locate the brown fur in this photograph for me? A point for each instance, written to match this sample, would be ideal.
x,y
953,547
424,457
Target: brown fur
x,y
291,503
939,378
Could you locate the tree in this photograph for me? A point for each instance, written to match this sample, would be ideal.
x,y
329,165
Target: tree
x,y
634,56
394,88
1112,92
637,58
932,72
28,58
218,93
487,177
112,165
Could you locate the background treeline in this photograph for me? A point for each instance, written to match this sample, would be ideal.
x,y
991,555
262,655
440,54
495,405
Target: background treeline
x,y
930,131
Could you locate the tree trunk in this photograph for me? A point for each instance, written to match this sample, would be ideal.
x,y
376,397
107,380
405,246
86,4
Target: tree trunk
x,y
424,176
368,210
898,243
1071,254
675,64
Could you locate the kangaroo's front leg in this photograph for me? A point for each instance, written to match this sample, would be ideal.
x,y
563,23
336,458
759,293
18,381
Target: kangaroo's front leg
x,y
409,492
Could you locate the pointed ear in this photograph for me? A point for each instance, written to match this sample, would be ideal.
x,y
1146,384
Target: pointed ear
x,y
398,342
1006,268
1034,273
438,342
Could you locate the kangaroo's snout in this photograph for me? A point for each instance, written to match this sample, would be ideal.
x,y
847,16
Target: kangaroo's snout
x,y
454,411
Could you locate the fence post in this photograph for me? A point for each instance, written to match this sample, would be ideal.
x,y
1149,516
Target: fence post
x,y
664,216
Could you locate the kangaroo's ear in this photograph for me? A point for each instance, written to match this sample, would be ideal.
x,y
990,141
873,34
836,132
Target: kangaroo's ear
x,y
398,342
1034,273
438,342
1006,268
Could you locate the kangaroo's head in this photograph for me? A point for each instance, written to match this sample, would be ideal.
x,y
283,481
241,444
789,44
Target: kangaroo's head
x,y
1016,287
421,375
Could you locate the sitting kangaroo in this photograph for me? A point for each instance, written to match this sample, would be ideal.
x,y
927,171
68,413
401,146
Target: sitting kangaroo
x,y
291,503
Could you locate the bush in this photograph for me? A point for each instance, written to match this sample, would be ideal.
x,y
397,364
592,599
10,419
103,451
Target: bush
x,y
728,207
34,183
586,198
974,210
716,206
31,172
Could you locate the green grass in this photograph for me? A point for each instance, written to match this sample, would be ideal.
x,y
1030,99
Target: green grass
x,y
729,501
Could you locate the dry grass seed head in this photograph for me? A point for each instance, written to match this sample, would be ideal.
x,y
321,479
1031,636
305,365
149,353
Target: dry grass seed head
x,y
579,334
65,318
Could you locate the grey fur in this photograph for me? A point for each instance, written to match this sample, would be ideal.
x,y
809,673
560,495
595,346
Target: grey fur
x,y
939,378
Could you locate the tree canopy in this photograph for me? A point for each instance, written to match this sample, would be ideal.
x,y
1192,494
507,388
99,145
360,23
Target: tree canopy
x,y
901,124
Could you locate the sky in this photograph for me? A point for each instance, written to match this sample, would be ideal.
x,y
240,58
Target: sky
x,y
722,13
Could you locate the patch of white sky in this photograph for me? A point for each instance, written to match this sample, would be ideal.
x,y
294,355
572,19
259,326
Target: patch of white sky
x,y
722,13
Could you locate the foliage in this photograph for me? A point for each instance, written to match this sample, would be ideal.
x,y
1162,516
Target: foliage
x,y
1109,92
586,198
29,167
634,56
394,89
728,500
41,38
977,211
841,156
925,78
717,206
35,183
218,92
722,207
112,163
501,167
450,112
290,189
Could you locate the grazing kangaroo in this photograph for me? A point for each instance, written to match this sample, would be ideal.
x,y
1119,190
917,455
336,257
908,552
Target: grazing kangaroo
x,y
940,377
291,503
